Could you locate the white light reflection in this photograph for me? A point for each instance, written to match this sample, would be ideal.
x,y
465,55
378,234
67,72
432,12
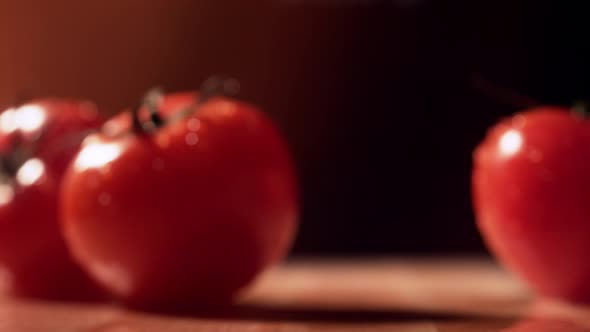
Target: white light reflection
x,y
8,121
6,194
30,117
510,142
30,172
96,155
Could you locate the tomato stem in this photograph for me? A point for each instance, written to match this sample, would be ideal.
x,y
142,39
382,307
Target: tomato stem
x,y
7,168
501,94
581,109
11,161
213,87
150,102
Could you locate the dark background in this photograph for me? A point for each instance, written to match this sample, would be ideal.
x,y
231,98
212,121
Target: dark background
x,y
381,101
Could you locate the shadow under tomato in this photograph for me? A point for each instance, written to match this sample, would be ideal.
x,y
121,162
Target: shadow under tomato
x,y
251,312
307,314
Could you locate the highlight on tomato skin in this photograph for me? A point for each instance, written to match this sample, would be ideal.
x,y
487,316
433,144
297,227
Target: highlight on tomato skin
x,y
531,187
187,214
37,141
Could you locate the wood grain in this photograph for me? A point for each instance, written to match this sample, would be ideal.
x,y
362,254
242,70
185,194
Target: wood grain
x,y
400,295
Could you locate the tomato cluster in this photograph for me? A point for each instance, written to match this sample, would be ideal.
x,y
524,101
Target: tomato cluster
x,y
37,140
183,200
180,201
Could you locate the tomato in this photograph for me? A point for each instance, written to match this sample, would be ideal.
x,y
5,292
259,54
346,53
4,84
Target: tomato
x,y
37,141
184,211
547,325
531,192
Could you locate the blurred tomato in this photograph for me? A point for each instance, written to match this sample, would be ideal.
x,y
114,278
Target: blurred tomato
x,y
531,191
37,141
186,209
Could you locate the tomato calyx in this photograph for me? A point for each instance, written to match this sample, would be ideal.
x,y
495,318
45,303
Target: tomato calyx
x,y
149,102
16,155
11,162
580,109
215,86
21,150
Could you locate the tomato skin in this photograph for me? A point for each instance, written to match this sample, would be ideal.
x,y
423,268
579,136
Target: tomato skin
x,y
547,325
32,250
531,195
187,216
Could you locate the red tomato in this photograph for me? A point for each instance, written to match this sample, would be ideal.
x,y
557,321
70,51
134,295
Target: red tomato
x,y
531,191
37,140
184,215
547,325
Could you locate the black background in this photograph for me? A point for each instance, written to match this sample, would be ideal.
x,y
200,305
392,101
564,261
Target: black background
x,y
398,106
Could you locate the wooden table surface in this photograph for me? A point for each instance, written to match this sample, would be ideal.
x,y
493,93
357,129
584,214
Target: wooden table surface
x,y
405,295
